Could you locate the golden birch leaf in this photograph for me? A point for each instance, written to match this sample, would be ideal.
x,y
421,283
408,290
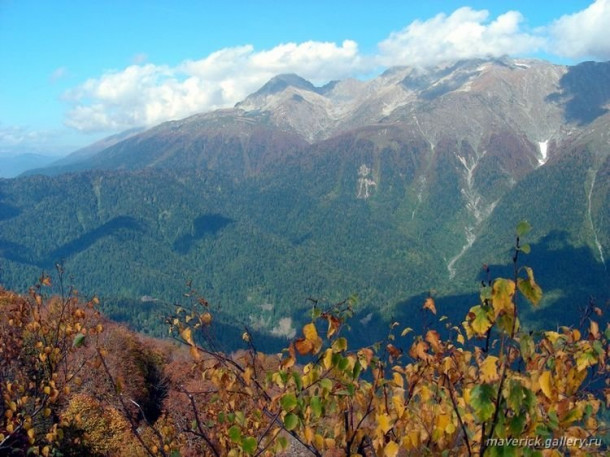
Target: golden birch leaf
x,y
502,294
384,423
391,449
489,369
187,335
545,384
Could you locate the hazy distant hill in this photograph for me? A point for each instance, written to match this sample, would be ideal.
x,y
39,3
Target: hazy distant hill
x,y
14,165
388,188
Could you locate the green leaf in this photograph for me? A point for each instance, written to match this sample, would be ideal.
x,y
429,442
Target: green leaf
x,y
515,395
357,369
502,451
316,406
79,340
326,384
527,346
481,399
235,434
297,380
523,228
343,363
249,445
480,322
240,417
288,402
529,288
517,424
283,442
291,421
485,293
525,248
340,345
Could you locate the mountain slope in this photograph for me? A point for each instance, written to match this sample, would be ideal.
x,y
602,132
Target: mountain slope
x,y
389,188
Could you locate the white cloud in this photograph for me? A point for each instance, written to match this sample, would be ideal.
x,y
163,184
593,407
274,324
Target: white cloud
x,y
465,33
17,139
583,34
149,94
146,94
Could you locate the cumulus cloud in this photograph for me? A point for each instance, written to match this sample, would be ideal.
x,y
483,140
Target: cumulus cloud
x,y
149,94
145,94
15,139
466,33
583,34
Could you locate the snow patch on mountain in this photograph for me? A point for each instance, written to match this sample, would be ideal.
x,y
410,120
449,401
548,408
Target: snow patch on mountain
x,y
544,148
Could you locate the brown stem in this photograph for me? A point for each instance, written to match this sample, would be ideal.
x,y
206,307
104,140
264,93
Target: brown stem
x,y
459,416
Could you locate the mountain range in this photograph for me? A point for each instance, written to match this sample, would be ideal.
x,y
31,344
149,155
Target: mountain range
x,y
391,188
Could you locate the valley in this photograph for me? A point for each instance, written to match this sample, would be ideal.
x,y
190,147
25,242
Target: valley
x,y
390,189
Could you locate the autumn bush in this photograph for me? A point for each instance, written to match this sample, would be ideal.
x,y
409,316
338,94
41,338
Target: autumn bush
x,y
74,383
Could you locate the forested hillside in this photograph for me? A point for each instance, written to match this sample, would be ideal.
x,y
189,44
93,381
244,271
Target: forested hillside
x,y
74,383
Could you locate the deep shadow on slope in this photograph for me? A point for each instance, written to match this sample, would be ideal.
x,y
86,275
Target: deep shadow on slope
x,y
83,242
7,211
554,259
206,224
22,254
585,89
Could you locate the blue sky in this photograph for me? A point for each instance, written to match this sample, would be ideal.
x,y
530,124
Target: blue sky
x,y
76,71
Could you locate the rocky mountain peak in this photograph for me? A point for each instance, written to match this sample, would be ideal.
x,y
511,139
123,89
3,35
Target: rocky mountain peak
x,y
281,82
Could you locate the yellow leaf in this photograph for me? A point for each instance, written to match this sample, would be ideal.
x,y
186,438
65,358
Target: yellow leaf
x,y
545,384
319,441
593,330
333,325
406,330
398,380
434,339
309,435
206,318
429,304
328,359
412,440
442,422
489,369
391,449
502,293
303,346
311,335
289,361
187,335
399,405
310,332
384,423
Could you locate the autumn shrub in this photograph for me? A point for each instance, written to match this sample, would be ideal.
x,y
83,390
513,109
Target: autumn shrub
x,y
481,387
39,364
488,388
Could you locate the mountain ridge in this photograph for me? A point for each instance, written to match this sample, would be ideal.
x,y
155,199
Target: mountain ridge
x,y
389,187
